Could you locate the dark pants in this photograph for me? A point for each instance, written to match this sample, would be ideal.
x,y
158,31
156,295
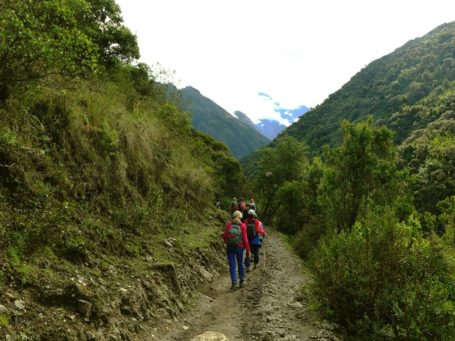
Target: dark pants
x,y
235,256
255,252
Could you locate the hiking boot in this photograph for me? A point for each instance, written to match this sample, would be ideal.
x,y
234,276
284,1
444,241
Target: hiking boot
x,y
255,266
241,284
247,269
233,286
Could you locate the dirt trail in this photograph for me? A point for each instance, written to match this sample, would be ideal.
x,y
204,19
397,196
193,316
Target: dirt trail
x,y
269,307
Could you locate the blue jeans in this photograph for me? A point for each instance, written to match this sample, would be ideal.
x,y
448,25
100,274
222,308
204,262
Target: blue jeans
x,y
235,255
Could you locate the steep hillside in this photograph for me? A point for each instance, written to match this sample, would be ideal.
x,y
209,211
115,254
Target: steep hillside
x,y
100,205
213,120
380,89
106,218
429,151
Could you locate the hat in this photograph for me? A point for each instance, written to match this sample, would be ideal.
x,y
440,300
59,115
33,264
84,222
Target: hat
x,y
252,213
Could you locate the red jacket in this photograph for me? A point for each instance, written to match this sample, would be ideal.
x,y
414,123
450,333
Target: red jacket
x,y
259,227
244,242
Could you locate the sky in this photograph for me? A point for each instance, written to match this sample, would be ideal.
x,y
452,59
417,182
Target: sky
x,y
263,56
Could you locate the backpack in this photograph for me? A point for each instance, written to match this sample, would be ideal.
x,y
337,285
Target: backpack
x,y
251,229
234,236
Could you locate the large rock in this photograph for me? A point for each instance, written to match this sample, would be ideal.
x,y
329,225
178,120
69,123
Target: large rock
x,y
210,336
206,276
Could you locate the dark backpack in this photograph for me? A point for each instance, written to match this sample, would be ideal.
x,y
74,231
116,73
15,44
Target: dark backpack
x,y
234,236
251,229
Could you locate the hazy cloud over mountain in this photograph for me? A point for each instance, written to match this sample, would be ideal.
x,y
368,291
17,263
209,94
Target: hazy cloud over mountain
x,y
274,111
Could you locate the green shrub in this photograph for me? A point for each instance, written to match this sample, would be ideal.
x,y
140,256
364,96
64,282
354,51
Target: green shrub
x,y
4,321
106,141
306,240
288,217
384,280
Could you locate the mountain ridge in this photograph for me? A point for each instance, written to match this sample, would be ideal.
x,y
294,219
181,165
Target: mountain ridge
x,y
398,79
208,117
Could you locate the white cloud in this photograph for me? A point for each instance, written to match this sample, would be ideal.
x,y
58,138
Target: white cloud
x,y
298,52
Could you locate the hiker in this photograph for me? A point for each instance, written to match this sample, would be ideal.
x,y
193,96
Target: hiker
x,y
243,207
255,234
252,205
236,242
234,205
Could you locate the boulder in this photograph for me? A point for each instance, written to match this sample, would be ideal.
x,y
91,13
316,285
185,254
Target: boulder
x,y
210,336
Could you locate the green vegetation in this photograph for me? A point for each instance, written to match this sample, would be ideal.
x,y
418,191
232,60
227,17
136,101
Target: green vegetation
x,y
372,210
101,175
4,321
383,280
41,41
429,150
402,78
356,216
104,184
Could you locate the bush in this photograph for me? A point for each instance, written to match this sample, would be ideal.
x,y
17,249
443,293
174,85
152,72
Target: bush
x,y
288,217
384,280
306,240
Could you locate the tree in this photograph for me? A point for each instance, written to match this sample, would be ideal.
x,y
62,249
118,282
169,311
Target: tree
x,y
277,165
361,172
429,154
39,39
67,38
103,23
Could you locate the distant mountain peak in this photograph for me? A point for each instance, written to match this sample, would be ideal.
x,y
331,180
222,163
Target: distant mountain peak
x,y
236,132
270,127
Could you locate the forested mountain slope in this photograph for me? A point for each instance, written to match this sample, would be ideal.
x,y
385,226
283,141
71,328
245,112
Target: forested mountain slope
x,y
210,118
429,150
401,78
364,187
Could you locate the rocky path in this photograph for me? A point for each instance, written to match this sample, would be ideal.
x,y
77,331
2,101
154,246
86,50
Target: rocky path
x,y
269,307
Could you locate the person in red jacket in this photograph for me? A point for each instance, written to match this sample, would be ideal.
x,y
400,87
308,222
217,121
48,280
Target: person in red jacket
x,y
236,240
255,233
